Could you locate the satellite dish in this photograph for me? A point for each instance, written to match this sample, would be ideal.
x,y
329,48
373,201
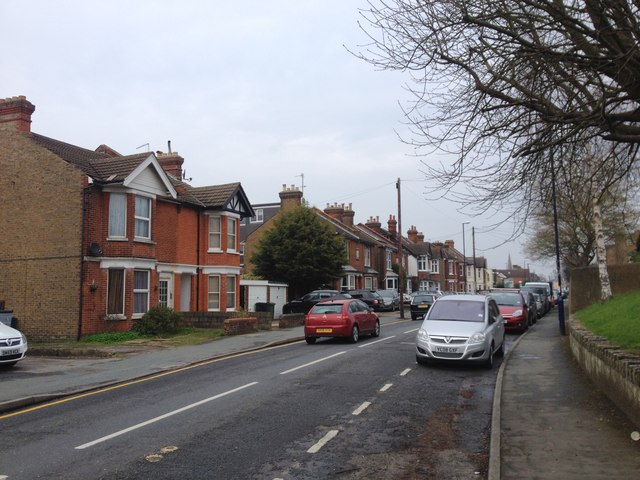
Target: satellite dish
x,y
94,250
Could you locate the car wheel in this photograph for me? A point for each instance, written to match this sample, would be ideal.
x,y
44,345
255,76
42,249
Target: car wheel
x,y
422,361
500,351
310,340
489,362
355,334
376,330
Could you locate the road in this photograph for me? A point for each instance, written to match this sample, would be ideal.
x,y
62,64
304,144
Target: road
x,y
329,410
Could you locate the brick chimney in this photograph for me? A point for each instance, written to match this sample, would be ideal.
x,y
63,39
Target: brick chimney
x,y
420,237
290,197
15,114
347,217
171,163
374,223
335,211
412,234
392,224
448,244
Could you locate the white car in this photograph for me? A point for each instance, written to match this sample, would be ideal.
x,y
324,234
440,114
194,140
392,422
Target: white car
x,y
461,328
13,345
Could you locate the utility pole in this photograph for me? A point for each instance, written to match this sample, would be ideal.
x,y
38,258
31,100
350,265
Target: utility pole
x,y
464,260
473,237
555,231
400,256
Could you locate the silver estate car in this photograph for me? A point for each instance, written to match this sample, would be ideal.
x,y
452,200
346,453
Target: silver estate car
x,y
461,328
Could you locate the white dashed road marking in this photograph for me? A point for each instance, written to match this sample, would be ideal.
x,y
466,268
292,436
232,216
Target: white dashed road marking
x,y
323,441
311,363
361,408
405,372
162,417
386,387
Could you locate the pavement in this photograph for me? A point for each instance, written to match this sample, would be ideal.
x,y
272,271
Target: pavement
x,y
549,421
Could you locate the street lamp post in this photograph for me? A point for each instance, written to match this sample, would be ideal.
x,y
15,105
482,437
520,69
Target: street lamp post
x,y
464,258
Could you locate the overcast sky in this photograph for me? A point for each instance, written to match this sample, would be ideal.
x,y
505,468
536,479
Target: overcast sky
x,y
259,92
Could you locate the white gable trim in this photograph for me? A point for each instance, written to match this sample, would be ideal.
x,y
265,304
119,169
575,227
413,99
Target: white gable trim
x,y
151,163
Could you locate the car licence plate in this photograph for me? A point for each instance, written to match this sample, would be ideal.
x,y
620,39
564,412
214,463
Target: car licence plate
x,y
423,306
324,330
13,351
446,349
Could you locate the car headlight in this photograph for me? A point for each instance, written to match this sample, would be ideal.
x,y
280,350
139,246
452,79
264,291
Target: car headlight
x,y
478,337
423,335
24,339
517,313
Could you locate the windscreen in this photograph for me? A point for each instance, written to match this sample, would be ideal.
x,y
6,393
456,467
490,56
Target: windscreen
x,y
466,311
507,299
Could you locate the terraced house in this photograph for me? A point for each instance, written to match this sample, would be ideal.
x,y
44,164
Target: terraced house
x,y
92,238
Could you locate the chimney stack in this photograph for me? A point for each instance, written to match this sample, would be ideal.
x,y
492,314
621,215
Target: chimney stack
x,y
335,211
347,217
392,224
290,197
171,163
412,234
15,114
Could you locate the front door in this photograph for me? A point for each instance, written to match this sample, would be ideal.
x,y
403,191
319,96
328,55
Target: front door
x,y
165,290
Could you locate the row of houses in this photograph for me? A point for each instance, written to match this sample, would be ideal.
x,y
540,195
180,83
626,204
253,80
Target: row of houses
x,y
91,239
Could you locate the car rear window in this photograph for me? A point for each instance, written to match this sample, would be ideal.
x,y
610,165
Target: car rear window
x,y
324,309
466,311
423,299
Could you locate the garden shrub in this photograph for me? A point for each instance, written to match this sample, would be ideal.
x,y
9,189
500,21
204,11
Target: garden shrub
x,y
157,320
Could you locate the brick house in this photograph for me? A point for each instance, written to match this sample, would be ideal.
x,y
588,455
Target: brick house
x,y
93,238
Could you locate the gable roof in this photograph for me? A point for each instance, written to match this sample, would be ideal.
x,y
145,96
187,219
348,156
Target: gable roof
x,y
77,156
229,197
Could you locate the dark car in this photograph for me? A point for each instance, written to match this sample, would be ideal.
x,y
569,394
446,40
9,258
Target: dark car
x,y
304,304
539,290
369,297
341,318
420,304
532,305
391,299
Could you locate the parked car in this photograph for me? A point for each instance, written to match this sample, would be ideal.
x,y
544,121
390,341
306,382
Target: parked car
x,y
461,328
304,304
13,345
532,306
539,298
420,304
514,310
341,318
391,299
542,288
369,297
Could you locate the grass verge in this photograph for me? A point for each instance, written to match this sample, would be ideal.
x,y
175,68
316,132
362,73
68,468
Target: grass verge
x,y
617,320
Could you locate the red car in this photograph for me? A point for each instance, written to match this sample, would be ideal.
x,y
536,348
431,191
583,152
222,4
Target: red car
x,y
513,309
347,317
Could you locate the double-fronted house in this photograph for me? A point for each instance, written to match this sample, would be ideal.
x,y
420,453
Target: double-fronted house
x,y
93,239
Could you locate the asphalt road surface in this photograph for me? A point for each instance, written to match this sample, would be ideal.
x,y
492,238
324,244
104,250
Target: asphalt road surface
x,y
329,410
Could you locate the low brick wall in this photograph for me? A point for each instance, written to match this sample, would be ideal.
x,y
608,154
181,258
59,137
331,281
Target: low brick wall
x,y
614,371
290,320
217,319
240,326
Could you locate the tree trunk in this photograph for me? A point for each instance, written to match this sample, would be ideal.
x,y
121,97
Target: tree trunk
x,y
601,252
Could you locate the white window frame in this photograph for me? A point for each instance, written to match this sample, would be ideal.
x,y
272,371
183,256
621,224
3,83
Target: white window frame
x,y
349,282
452,270
215,234
368,283
388,259
367,256
232,234
435,266
424,285
141,219
230,295
213,295
141,291
423,263
258,217
117,216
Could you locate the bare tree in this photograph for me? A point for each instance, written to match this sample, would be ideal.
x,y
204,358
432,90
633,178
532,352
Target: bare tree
x,y
504,85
